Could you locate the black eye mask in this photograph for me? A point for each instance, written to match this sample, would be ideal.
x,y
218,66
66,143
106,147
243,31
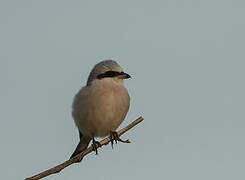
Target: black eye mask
x,y
109,74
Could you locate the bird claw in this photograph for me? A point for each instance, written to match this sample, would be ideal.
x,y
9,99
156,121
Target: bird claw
x,y
95,146
114,136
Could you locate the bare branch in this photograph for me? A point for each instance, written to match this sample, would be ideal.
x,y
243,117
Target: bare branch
x,y
78,157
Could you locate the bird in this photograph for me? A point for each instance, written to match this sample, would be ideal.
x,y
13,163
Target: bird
x,y
101,106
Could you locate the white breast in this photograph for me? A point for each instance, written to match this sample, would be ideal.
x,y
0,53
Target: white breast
x,y
100,107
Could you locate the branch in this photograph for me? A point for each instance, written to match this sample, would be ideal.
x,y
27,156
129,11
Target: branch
x,y
79,157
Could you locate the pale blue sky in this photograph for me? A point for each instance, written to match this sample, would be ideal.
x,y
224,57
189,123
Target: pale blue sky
x,y
187,61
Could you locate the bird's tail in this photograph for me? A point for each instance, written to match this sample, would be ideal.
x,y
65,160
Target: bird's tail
x,y
83,144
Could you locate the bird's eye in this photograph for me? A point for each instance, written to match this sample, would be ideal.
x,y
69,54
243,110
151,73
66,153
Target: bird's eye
x,y
111,73
108,74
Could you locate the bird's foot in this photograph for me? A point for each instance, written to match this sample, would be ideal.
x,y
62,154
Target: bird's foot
x,y
114,137
96,145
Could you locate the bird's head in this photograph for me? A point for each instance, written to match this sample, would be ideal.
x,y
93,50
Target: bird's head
x,y
107,69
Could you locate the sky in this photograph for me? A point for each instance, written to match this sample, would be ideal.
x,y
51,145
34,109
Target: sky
x,y
186,59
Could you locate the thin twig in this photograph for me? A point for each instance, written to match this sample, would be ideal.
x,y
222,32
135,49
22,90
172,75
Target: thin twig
x,y
78,157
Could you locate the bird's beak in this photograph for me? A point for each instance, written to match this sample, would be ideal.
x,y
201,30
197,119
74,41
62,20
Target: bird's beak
x,y
124,75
